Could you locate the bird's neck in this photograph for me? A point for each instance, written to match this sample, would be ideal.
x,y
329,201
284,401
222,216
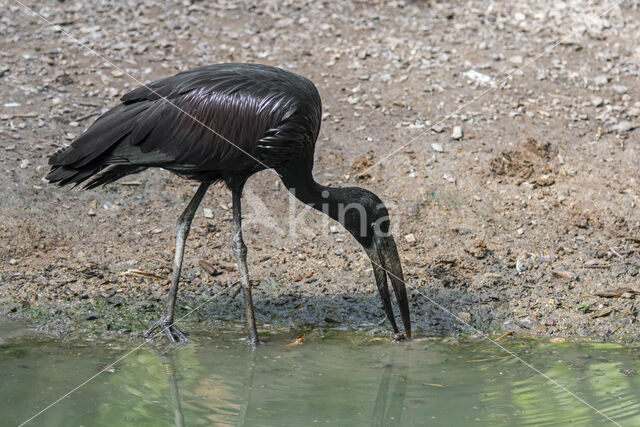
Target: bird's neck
x,y
322,198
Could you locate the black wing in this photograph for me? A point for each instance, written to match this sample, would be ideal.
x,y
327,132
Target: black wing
x,y
200,123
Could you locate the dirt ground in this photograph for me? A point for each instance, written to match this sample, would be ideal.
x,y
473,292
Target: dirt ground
x,y
525,218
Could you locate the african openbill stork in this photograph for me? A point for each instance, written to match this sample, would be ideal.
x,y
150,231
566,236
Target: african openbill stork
x,y
227,122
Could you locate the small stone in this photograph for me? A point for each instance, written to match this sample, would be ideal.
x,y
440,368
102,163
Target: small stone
x,y
623,126
92,315
520,231
339,251
91,212
602,79
456,133
525,323
627,295
438,128
596,102
24,164
13,261
620,89
208,213
516,59
437,147
479,78
117,73
464,317
297,278
410,238
334,229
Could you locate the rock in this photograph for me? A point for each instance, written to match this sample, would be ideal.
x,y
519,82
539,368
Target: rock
x,y
479,78
620,89
602,79
456,133
525,323
91,315
437,128
463,317
517,59
622,126
596,102
208,213
437,147
410,238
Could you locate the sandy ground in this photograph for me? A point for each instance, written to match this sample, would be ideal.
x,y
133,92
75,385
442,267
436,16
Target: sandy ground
x,y
525,218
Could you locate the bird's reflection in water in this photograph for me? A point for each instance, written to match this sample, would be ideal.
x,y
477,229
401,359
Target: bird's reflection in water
x,y
387,410
389,399
168,358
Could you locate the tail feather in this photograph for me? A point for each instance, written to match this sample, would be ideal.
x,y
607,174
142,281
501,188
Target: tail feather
x,y
111,174
88,154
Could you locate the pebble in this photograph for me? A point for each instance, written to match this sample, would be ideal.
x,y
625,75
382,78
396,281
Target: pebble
x,y
437,147
479,78
464,317
602,79
622,126
438,128
517,59
620,89
596,102
208,213
456,133
410,238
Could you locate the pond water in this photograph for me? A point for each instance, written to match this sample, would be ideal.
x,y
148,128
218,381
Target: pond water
x,y
334,378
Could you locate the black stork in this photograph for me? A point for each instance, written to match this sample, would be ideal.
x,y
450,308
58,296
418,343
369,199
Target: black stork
x,y
226,122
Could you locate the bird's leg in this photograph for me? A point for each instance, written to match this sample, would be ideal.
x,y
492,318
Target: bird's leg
x,y
240,249
182,231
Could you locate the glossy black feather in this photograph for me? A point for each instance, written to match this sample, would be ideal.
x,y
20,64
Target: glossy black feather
x,y
204,123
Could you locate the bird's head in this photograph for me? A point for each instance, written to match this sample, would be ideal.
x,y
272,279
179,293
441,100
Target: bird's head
x,y
367,219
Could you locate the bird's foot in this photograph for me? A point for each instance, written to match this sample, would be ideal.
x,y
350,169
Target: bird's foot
x,y
251,342
174,334
398,336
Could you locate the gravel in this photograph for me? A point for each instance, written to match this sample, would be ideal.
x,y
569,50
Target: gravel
x,y
547,176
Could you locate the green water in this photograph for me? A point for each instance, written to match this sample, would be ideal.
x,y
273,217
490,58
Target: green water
x,y
333,378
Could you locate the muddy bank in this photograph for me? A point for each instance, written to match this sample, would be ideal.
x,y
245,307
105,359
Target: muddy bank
x,y
516,210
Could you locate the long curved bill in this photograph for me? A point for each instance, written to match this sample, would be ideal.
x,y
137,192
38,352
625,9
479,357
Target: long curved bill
x,y
385,260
